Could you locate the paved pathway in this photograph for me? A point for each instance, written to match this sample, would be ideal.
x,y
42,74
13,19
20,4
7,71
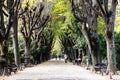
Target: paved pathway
x,y
56,70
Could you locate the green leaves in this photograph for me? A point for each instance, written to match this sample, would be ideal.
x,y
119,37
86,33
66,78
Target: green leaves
x,y
101,26
80,42
29,2
117,21
60,7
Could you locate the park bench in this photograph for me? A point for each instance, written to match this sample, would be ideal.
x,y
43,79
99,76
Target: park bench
x,y
12,68
101,67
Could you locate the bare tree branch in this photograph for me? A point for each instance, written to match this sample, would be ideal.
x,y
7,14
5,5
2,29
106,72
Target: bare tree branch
x,y
101,8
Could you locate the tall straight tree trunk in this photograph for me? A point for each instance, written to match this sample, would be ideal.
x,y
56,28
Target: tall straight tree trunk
x,y
15,45
15,40
72,54
109,22
111,55
95,42
15,35
27,52
110,49
75,53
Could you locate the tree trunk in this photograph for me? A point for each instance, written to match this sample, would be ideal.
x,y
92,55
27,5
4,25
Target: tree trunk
x,y
72,54
3,55
3,40
15,39
111,68
87,38
76,51
41,56
95,42
16,49
111,55
94,59
2,31
95,53
109,22
27,52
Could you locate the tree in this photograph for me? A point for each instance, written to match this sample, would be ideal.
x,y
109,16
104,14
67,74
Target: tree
x,y
61,18
107,10
46,43
6,9
88,25
30,19
15,34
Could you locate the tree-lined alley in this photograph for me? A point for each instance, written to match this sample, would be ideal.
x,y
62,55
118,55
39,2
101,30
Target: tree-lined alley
x,y
34,31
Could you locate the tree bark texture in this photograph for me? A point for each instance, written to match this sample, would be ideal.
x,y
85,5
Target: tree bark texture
x,y
95,41
15,36
27,51
109,19
111,45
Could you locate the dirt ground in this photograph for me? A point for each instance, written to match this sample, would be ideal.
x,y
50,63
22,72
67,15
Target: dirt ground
x,y
57,70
